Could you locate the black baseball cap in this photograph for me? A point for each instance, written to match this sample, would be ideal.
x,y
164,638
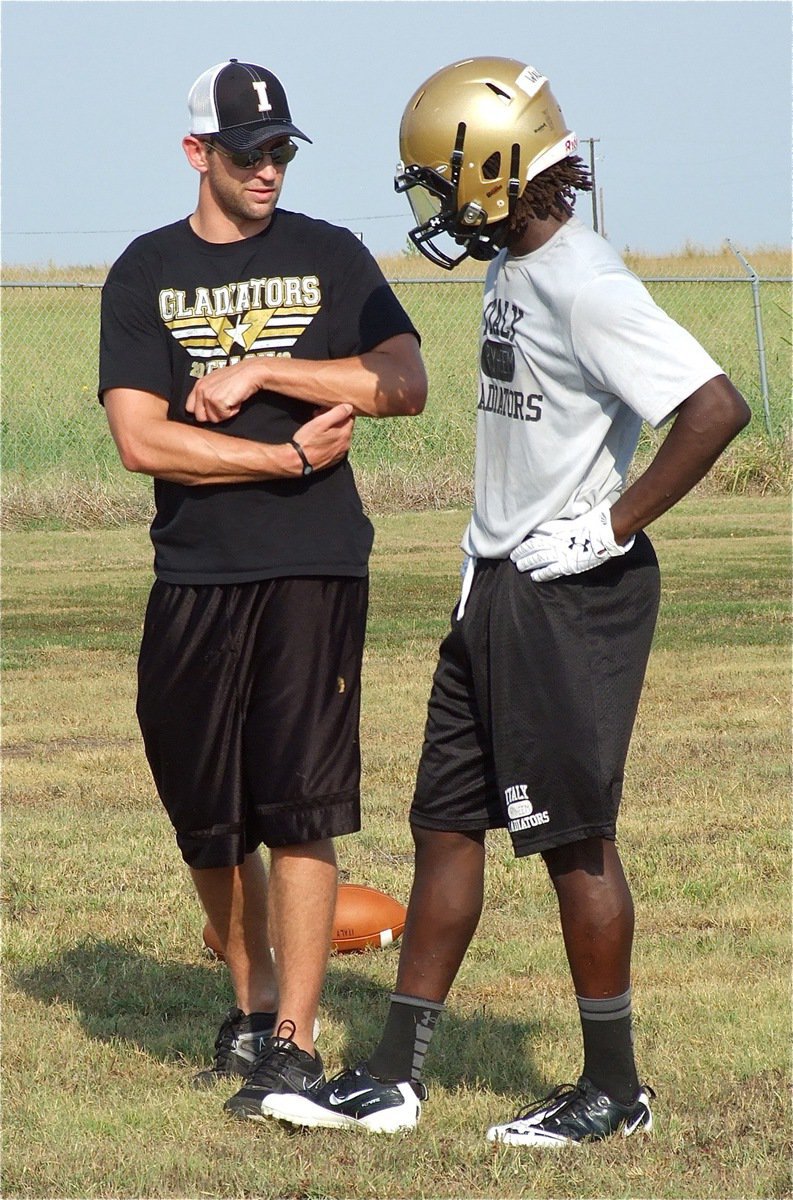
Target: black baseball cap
x,y
241,106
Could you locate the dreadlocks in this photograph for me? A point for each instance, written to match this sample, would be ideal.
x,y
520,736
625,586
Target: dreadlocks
x,y
552,191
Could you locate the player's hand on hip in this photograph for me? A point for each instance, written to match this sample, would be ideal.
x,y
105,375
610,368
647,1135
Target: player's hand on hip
x,y
221,394
569,547
325,439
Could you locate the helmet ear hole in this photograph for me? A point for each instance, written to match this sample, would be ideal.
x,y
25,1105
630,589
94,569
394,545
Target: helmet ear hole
x,y
491,168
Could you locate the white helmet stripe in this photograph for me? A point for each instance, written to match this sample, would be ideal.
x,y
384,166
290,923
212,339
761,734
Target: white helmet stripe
x,y
554,154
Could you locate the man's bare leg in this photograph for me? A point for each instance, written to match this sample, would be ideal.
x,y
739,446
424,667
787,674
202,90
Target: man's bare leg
x,y
303,888
235,901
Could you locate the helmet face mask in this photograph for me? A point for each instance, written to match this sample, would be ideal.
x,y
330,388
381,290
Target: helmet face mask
x,y
471,137
439,222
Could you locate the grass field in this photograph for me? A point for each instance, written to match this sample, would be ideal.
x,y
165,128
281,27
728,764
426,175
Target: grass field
x,y
110,1005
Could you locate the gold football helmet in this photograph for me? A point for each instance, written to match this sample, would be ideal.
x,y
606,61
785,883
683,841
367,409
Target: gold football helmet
x,y
471,138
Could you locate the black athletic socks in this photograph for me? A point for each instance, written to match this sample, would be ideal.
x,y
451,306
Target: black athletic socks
x,y
608,1046
606,1026
403,1046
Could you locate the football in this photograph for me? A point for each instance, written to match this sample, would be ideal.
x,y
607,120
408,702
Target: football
x,y
364,918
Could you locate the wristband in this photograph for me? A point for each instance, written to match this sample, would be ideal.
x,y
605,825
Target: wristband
x,y
307,467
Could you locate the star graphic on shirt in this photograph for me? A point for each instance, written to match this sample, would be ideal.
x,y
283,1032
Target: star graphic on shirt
x,y
236,333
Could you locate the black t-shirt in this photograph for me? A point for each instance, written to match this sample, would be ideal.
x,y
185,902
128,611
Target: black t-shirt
x,y
174,307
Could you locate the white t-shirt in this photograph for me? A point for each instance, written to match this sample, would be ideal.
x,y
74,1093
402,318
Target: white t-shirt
x,y
574,355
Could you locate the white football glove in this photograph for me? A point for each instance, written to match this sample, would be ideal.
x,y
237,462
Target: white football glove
x,y
569,547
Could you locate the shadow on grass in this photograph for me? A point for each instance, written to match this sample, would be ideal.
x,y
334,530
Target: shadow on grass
x,y
171,1011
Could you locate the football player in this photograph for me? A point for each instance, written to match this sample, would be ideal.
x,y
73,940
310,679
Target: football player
x,y
536,690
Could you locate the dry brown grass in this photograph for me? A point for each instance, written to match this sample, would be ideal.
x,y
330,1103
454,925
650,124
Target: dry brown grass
x,y
751,466
700,262
691,260
755,467
62,502
52,273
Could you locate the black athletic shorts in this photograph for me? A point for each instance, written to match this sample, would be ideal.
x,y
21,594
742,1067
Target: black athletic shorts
x,y
249,704
533,702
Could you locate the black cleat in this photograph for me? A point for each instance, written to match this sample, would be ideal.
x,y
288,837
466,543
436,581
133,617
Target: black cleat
x,y
237,1047
571,1115
353,1099
282,1068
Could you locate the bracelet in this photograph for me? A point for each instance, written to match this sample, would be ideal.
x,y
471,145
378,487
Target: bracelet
x,y
307,467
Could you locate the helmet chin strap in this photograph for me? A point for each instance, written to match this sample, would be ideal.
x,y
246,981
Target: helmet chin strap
x,y
485,242
456,160
513,187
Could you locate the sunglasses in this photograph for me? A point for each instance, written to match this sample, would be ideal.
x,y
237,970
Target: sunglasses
x,y
279,156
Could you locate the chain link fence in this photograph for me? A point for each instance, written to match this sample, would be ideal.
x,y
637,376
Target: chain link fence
x,y
52,425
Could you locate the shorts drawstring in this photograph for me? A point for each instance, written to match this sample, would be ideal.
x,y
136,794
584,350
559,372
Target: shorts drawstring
x,y
467,572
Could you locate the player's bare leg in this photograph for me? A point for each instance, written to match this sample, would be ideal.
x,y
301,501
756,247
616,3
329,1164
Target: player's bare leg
x,y
303,887
597,920
443,912
596,911
597,917
235,901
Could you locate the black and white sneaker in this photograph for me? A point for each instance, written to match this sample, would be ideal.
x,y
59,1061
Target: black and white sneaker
x,y
571,1115
282,1069
353,1099
237,1046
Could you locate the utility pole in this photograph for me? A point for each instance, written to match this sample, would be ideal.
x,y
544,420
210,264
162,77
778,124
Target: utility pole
x,y
594,186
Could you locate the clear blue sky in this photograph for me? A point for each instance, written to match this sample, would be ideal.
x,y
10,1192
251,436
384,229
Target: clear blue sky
x,y
690,100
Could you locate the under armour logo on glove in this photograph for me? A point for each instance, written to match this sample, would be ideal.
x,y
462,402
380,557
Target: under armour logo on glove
x,y
570,547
